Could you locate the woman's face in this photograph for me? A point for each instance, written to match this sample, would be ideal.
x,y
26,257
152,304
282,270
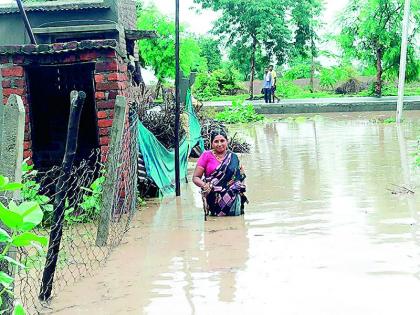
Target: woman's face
x,y
219,144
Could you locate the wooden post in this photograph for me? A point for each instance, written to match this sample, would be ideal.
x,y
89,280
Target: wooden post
x,y
76,106
110,185
12,128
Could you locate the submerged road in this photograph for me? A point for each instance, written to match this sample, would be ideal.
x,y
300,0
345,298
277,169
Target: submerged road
x,y
326,232
326,105
339,100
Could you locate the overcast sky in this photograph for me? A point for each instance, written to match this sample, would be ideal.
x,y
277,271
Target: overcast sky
x,y
201,23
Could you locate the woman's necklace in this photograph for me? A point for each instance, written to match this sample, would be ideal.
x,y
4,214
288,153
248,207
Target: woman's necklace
x,y
219,158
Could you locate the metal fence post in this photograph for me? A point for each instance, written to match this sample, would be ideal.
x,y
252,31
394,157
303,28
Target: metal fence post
x,y
76,106
110,185
12,128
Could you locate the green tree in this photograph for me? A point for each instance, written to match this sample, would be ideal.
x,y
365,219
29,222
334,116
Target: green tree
x,y
158,53
305,16
253,24
371,31
238,53
210,50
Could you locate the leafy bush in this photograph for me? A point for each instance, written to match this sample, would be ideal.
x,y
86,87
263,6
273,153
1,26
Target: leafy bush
x,y
329,77
287,89
239,112
31,191
388,89
90,205
205,86
85,212
20,220
298,71
219,82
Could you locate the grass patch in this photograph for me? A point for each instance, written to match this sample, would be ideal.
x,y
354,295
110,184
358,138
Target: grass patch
x,y
239,112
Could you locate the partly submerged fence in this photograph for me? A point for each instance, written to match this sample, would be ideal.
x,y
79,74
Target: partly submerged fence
x,y
98,198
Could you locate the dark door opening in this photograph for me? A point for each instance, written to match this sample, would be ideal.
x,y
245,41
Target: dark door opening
x,y
50,88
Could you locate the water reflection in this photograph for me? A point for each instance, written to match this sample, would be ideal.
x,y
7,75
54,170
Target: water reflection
x,y
322,234
199,263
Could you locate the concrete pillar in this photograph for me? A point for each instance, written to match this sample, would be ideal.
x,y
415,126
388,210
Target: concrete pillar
x,y
12,128
111,181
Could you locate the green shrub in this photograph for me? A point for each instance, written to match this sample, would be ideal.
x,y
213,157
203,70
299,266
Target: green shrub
x,y
85,212
219,82
239,112
329,77
287,89
90,205
298,71
20,220
205,87
31,191
388,89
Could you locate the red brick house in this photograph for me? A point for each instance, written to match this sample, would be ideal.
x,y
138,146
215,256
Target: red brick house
x,y
80,47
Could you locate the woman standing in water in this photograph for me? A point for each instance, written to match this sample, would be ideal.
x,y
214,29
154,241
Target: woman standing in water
x,y
219,175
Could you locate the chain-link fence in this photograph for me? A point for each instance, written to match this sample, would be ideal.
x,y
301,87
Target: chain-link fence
x,y
80,253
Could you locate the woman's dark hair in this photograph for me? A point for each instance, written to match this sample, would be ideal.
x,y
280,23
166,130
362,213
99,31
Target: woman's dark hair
x,y
217,132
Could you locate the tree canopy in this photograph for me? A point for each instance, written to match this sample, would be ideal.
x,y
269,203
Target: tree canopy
x,y
254,25
210,50
371,32
158,53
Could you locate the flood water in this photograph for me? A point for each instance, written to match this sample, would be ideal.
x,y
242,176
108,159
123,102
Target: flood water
x,y
328,231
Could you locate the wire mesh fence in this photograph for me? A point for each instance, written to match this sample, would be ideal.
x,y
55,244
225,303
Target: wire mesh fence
x,y
79,254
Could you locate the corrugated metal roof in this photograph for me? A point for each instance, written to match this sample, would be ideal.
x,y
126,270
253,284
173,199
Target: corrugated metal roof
x,y
55,6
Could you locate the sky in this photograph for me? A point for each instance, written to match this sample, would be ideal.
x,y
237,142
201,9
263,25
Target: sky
x,y
202,23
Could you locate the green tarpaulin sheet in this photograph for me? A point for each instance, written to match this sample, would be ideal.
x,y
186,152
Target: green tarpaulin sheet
x,y
160,162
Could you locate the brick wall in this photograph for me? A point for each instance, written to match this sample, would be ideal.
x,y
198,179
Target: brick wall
x,y
110,80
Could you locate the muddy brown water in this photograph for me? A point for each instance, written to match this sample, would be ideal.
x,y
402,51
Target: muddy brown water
x,y
328,231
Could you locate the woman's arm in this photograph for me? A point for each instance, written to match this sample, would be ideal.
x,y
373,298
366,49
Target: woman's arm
x,y
197,177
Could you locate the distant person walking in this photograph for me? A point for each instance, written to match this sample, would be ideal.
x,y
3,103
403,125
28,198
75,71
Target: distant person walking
x,y
274,83
268,85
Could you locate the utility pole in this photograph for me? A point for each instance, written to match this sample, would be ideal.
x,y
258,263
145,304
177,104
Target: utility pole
x,y
177,105
403,59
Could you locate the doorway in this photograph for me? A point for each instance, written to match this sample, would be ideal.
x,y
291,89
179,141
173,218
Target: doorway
x,y
49,88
